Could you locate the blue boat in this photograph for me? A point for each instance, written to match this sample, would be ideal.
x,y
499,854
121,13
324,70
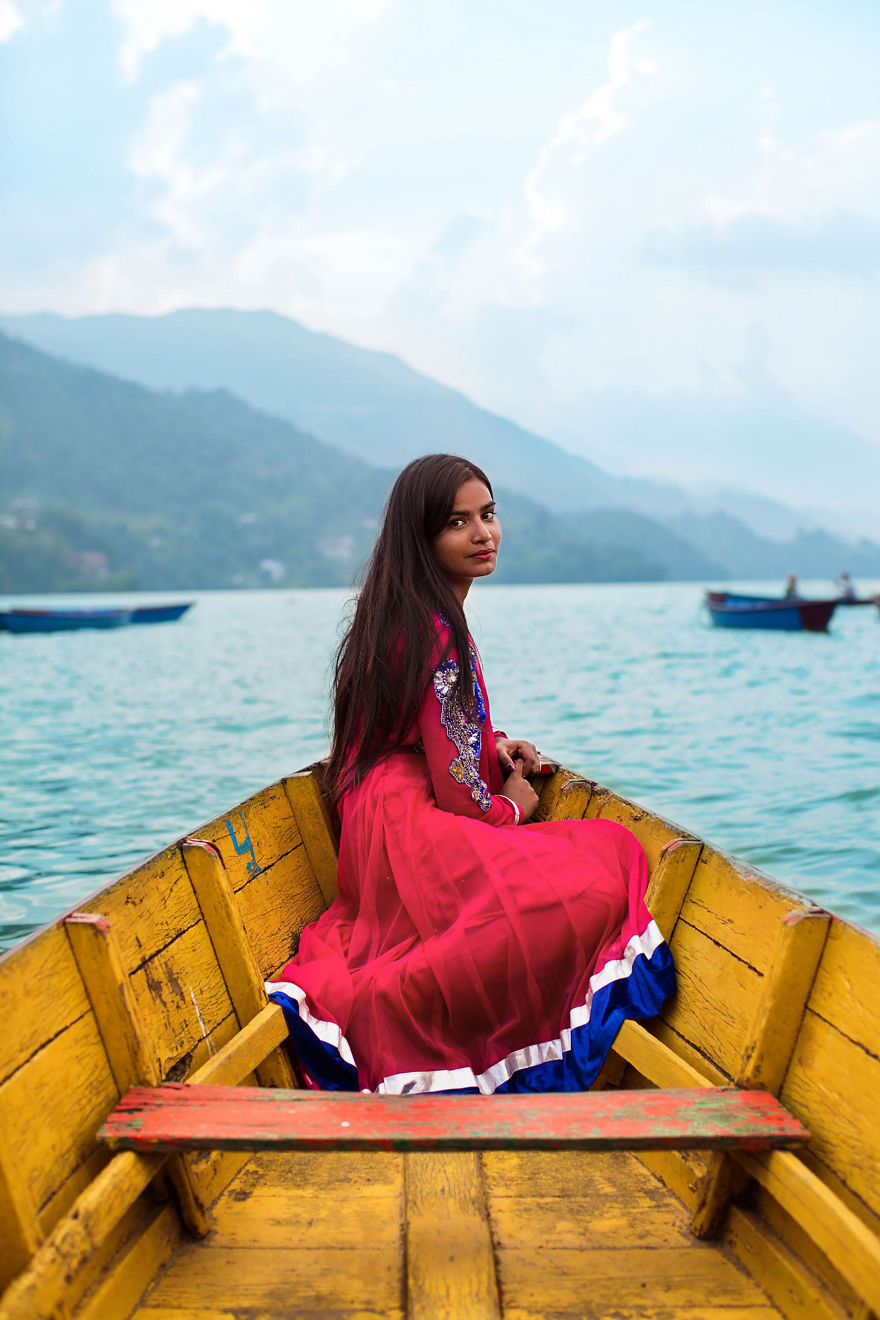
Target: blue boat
x,y
789,614
160,613
61,620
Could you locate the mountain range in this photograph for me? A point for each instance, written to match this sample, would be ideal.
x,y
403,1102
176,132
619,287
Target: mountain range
x,y
211,442
104,483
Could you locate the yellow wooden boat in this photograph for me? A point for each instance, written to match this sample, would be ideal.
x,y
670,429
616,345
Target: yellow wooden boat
x,y
160,977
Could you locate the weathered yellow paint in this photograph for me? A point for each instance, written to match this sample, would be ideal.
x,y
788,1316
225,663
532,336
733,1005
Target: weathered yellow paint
x,y
845,989
655,1060
291,1312
669,882
524,1222
139,1263
148,907
564,1174
244,982
189,1313
19,1230
245,1051
182,995
131,1058
779,1222
716,996
767,1044
643,1310
276,906
40,994
97,1211
562,795
271,824
541,1204
737,907
652,832
681,1171
450,1267
608,1281
694,1057
842,1119
277,1217
301,1278
334,1175
65,1194
310,809
832,1226
130,1052
573,1236
57,1132
783,1277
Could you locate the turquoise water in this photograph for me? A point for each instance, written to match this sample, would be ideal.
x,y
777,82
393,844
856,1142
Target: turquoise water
x,y
114,743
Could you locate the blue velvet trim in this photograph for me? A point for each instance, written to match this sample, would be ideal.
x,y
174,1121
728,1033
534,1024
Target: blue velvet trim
x,y
323,1062
639,995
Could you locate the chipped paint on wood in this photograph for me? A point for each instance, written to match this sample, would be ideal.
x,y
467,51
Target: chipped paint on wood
x,y
188,1117
724,942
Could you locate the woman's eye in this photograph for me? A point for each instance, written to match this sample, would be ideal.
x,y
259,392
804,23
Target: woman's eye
x,y
489,515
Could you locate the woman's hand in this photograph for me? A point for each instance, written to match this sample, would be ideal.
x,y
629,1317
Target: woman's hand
x,y
520,791
511,749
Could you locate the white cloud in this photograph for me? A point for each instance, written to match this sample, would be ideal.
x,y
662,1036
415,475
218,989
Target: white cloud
x,y
317,164
553,188
837,169
158,155
288,43
11,21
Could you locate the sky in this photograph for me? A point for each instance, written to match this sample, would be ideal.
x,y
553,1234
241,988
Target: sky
x,y
577,212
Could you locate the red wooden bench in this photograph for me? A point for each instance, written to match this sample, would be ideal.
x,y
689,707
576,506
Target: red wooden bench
x,y
179,1117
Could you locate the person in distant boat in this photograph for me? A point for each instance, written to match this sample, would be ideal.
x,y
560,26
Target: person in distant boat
x,y
847,587
472,947
791,586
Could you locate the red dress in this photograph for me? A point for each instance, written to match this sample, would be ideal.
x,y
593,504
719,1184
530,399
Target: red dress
x,y
467,952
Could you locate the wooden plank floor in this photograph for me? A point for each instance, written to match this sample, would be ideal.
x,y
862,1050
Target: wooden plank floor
x,y
547,1235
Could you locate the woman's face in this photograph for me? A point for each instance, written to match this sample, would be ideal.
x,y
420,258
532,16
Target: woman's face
x,y
468,545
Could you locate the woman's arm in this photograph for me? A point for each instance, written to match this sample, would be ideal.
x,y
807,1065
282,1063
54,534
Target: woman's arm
x,y
452,744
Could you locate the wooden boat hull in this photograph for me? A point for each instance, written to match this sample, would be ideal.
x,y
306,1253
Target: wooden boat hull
x,y
31,621
160,613
730,611
160,978
44,621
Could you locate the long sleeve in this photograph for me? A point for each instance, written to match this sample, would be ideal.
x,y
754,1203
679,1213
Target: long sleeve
x,y
457,760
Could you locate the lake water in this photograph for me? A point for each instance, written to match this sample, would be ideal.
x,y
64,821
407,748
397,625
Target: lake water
x,y
114,743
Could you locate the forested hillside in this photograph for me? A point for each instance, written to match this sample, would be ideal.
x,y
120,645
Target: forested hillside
x,y
381,413
104,483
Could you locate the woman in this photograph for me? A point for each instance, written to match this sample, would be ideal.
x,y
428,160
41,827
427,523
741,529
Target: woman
x,y
466,951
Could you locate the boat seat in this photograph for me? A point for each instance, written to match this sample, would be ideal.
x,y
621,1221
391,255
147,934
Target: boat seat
x,y
177,1117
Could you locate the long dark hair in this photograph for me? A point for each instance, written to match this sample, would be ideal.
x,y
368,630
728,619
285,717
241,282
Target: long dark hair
x,y
385,660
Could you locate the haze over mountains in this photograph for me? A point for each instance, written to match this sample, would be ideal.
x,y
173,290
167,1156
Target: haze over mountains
x,y
369,404
107,484
241,439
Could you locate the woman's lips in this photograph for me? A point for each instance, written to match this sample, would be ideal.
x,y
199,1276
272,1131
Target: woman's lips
x,y
482,554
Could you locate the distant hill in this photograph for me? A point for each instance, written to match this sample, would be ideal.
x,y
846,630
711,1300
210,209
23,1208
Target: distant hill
x,y
369,404
759,436
382,413
812,554
106,483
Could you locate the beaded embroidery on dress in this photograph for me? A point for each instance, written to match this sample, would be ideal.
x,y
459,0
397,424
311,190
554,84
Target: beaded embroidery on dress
x,y
465,734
